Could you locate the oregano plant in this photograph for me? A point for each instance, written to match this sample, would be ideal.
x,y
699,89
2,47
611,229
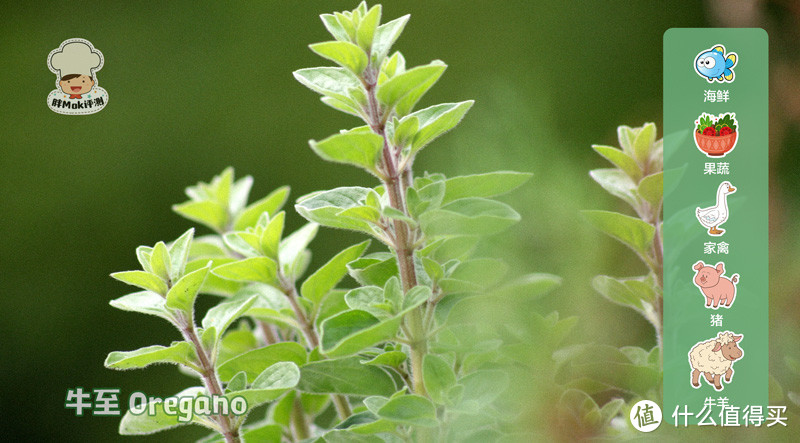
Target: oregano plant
x,y
637,178
395,352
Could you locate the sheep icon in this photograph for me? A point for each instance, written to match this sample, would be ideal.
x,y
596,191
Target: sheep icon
x,y
714,358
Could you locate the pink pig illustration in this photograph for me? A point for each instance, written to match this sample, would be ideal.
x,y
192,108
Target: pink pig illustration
x,y
718,289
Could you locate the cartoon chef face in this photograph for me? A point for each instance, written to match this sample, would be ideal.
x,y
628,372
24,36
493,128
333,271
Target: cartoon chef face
x,y
76,84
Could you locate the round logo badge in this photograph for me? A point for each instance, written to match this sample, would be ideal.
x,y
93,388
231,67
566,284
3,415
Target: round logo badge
x,y
646,416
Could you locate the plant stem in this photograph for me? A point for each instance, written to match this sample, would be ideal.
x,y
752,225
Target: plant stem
x,y
307,327
300,429
269,333
342,406
396,183
210,379
312,339
658,250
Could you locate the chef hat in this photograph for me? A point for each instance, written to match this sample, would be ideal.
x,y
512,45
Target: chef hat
x,y
76,56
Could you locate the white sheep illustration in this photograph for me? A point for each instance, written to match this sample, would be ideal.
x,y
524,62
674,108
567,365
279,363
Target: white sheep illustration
x,y
715,357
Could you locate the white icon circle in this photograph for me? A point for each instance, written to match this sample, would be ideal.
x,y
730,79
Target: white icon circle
x,y
645,416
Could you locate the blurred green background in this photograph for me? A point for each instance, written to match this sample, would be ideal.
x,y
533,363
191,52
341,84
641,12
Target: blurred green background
x,y
195,87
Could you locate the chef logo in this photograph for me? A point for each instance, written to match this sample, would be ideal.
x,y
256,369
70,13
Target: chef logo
x,y
75,64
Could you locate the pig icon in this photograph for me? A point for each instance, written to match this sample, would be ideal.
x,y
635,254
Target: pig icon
x,y
718,289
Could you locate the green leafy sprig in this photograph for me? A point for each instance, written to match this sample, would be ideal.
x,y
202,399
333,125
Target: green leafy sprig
x,y
398,356
638,179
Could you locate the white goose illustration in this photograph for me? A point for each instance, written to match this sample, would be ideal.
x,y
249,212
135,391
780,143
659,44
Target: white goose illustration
x,y
716,215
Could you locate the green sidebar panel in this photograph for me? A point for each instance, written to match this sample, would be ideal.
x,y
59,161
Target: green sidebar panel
x,y
715,227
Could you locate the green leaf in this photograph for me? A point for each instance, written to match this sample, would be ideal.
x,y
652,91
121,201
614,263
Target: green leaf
x,y
214,284
244,243
142,279
237,383
179,353
468,216
324,207
616,183
240,191
258,269
635,233
145,423
621,160
437,120
179,254
627,292
433,269
160,261
389,358
349,108
208,339
365,297
483,185
484,272
145,302
407,103
386,35
651,188
143,254
271,237
394,65
362,213
207,246
181,296
397,87
271,306
373,269
375,403
222,315
613,374
392,292
293,246
405,130
415,297
531,286
329,275
426,197
281,411
207,212
626,137
644,143
256,361
346,21
482,388
270,204
367,27
438,376
332,82
345,376
411,410
344,54
270,384
353,148
351,331
334,27
236,342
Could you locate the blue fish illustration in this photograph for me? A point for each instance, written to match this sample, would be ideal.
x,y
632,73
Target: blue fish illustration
x,y
715,65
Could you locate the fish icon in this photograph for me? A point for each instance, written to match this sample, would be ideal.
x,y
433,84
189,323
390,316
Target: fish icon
x,y
715,65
